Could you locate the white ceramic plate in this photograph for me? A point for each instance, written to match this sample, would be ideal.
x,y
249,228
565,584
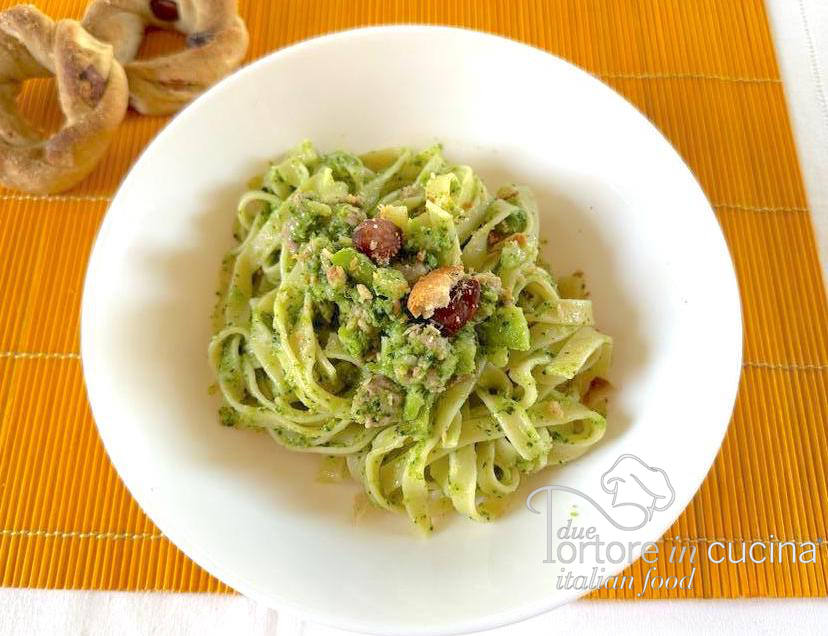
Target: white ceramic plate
x,y
616,202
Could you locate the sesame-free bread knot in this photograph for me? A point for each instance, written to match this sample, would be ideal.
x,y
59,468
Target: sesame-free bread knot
x,y
92,89
217,41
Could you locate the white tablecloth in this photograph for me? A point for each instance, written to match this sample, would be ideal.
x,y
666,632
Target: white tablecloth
x,y
801,33
126,613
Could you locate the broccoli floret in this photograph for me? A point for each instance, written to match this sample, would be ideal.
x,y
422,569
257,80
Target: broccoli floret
x,y
389,283
506,328
515,222
347,168
356,265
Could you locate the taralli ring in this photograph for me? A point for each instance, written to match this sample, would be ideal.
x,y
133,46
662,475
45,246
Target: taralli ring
x,y
92,89
217,40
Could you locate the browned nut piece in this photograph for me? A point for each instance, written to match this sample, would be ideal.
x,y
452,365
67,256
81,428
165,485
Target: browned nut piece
x,y
465,299
433,290
379,239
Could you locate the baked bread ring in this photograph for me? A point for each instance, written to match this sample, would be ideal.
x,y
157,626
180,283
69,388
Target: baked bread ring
x,y
216,43
92,89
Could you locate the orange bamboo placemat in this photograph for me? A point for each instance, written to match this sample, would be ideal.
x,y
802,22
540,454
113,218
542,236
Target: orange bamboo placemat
x,y
704,72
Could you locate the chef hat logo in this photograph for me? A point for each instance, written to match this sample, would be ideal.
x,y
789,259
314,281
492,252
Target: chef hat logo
x,y
632,482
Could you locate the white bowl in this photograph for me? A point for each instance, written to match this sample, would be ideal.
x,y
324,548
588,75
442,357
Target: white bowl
x,y
616,202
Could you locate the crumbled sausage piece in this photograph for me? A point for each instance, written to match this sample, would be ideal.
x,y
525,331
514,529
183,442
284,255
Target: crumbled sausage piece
x,y
377,402
364,292
335,276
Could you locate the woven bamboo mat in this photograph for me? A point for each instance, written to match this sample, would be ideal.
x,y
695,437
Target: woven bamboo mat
x,y
703,71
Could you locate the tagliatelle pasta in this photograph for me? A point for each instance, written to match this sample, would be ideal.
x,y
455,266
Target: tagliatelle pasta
x,y
387,312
